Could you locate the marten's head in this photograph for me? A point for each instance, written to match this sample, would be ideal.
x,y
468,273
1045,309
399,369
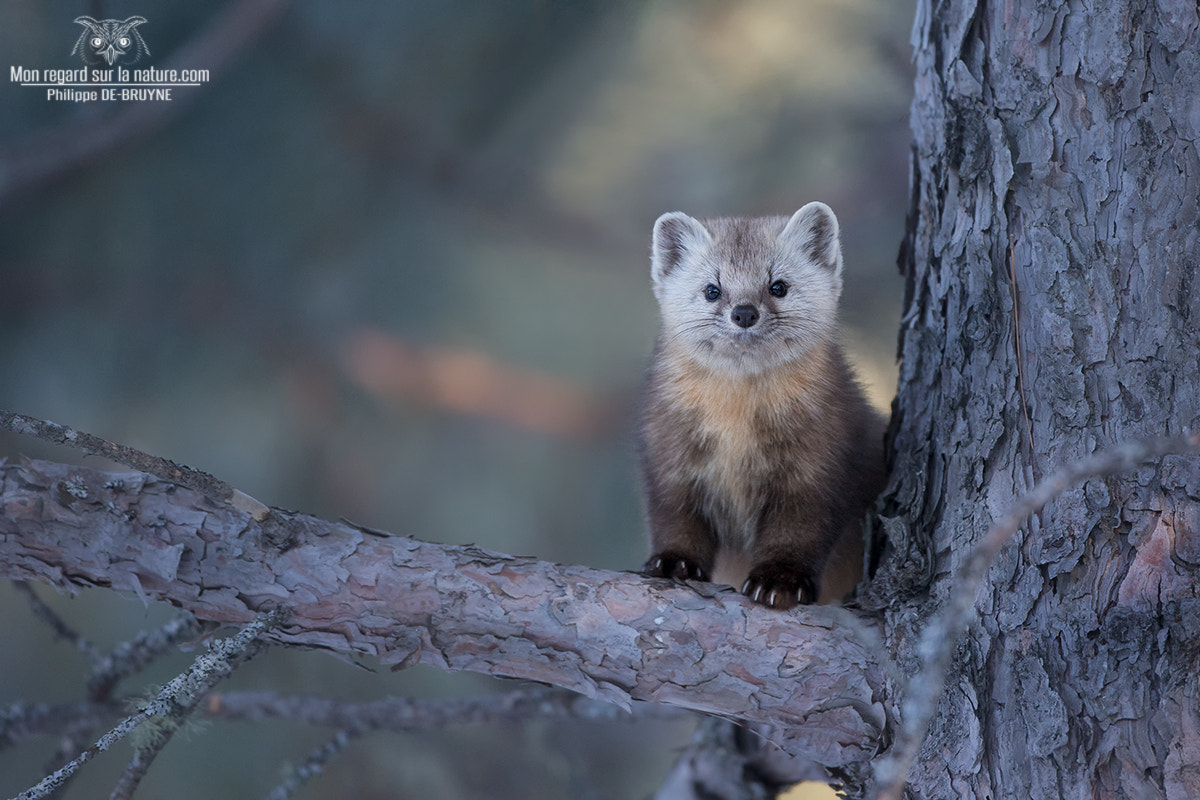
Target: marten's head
x,y
748,295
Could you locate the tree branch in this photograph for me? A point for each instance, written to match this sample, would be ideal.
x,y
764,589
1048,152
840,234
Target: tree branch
x,y
614,636
131,457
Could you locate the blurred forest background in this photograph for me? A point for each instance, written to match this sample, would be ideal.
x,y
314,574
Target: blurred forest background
x,y
392,264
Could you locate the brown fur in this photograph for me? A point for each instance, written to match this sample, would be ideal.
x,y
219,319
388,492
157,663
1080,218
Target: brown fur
x,y
773,468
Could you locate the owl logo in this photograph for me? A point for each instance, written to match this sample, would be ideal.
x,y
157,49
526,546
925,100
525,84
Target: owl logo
x,y
109,40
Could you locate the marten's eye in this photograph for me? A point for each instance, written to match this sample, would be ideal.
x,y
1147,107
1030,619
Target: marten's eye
x,y
711,293
778,289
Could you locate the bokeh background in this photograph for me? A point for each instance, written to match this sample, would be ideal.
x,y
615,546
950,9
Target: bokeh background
x,y
391,264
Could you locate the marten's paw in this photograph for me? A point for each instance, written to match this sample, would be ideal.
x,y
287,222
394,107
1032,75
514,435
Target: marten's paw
x,y
780,585
675,566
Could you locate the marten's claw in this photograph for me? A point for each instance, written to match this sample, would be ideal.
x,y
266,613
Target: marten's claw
x,y
781,587
674,566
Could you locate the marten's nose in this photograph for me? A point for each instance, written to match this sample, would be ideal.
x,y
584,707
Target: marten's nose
x,y
744,316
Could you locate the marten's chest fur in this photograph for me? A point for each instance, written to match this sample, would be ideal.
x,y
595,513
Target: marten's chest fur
x,y
730,444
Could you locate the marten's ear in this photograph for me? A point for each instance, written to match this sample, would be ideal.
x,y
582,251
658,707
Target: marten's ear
x,y
675,235
813,233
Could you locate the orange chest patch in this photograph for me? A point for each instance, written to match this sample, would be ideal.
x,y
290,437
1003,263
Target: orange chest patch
x,y
734,416
734,421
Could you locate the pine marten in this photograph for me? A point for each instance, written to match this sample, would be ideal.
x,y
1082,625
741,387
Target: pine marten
x,y
758,451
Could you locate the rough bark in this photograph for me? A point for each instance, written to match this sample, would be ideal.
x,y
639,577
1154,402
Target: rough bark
x,y
1050,312
811,676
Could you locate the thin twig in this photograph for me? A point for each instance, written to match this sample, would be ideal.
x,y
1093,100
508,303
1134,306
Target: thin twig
x,y
406,714
940,638
135,770
22,721
61,629
174,700
202,482
129,658
313,765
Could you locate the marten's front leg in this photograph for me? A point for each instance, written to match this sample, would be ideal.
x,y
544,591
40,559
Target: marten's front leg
x,y
791,547
683,544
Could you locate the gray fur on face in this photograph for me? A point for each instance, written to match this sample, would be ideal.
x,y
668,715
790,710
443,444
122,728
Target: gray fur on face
x,y
743,259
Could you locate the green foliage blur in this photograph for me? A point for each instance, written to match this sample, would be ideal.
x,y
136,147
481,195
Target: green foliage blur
x,y
391,264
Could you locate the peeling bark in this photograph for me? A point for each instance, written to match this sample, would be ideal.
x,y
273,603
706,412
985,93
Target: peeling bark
x,y
811,675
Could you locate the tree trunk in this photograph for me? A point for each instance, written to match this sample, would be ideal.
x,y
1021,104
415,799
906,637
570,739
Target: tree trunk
x,y
1050,312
